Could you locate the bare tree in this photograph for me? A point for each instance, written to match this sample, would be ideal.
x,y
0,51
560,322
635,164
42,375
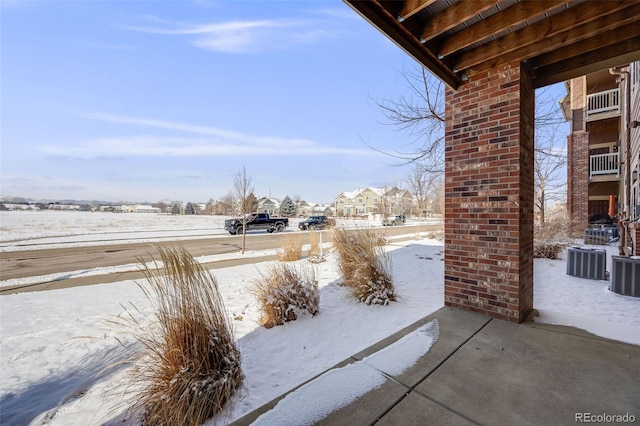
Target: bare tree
x,y
226,205
422,185
161,205
421,116
436,194
550,155
210,206
242,192
297,199
384,203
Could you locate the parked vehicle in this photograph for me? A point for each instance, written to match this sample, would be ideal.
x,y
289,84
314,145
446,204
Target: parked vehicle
x,y
316,223
394,220
257,221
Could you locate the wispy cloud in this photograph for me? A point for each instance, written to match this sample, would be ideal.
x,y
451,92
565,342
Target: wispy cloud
x,y
342,13
198,141
106,46
243,36
13,3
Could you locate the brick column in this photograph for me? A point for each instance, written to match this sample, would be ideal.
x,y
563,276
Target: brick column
x,y
578,182
634,230
489,194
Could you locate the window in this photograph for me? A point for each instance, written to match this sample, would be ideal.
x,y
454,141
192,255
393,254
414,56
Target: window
x,y
360,200
375,200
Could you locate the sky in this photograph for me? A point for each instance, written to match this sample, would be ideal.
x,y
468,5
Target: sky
x,y
55,365
170,100
146,100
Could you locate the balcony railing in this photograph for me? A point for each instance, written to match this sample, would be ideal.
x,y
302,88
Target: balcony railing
x,y
606,101
604,164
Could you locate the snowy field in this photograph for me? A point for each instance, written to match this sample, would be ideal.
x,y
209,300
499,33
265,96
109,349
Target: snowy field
x,y
22,230
58,350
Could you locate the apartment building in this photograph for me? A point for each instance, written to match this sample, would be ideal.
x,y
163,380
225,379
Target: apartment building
x,y
604,147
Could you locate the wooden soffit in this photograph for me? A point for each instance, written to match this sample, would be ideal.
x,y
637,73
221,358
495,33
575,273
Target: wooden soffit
x,y
557,39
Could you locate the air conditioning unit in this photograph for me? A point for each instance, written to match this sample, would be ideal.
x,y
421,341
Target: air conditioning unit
x,y
595,236
625,276
587,263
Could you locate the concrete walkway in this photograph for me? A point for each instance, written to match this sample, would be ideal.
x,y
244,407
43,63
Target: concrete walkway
x,y
490,372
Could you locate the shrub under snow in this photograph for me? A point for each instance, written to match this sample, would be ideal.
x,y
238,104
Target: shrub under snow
x,y
364,266
285,292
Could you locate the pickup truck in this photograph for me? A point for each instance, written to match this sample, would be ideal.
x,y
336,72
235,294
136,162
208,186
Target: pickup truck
x,y
316,222
257,221
394,220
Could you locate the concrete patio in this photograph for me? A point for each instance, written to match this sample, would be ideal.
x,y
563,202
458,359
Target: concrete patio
x,y
491,372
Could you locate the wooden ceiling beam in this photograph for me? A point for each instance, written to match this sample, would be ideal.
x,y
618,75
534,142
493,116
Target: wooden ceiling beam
x,y
602,41
618,54
509,17
565,40
453,15
528,40
411,7
394,7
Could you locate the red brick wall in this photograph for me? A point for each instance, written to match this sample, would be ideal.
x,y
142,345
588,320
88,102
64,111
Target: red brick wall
x,y
489,194
578,182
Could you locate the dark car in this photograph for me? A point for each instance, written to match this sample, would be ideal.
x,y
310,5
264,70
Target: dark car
x,y
256,221
316,223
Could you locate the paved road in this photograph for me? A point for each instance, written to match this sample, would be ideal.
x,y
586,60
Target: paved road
x,y
29,263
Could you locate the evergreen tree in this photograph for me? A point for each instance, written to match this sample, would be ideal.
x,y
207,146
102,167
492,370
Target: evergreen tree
x,y
288,207
251,203
189,208
175,208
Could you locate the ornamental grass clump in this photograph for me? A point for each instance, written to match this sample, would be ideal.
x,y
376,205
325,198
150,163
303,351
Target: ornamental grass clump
x,y
190,365
365,266
285,292
291,250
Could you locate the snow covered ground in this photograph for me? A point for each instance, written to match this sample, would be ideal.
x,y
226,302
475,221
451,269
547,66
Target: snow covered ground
x,y
59,349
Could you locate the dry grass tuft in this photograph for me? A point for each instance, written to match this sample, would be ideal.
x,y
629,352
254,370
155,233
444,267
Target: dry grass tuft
x,y
291,250
381,240
315,251
285,292
190,366
364,266
550,239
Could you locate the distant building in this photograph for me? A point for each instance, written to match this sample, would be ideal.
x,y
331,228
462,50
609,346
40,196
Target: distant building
x,y
269,205
306,209
137,208
55,206
373,201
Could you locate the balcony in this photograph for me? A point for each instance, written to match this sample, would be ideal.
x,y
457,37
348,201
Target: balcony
x,y
603,105
605,165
